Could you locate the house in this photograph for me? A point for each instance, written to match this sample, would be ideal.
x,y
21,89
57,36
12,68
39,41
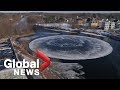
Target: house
x,y
109,25
112,25
100,24
87,23
80,22
94,23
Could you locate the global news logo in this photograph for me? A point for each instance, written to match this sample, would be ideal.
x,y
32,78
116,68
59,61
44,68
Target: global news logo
x,y
28,67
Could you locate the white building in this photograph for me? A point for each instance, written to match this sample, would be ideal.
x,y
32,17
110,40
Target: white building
x,y
109,25
112,25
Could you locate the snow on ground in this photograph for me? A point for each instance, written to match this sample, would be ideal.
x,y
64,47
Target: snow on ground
x,y
69,70
87,33
60,25
9,74
68,66
22,24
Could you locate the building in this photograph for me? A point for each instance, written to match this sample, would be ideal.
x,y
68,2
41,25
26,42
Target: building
x,y
100,24
112,25
118,24
109,25
80,22
94,23
103,24
87,23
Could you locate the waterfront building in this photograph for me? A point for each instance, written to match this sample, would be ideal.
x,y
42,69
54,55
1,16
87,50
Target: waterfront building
x,y
112,25
100,24
80,22
94,23
87,23
117,24
109,25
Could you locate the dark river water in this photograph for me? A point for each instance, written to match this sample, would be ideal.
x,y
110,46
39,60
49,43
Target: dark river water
x,y
107,67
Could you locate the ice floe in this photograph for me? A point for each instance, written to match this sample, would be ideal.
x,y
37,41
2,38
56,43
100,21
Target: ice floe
x,y
71,47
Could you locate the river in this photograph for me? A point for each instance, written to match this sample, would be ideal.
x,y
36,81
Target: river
x,y
107,67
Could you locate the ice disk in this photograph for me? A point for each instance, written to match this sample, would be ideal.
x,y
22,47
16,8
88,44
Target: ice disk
x,y
71,47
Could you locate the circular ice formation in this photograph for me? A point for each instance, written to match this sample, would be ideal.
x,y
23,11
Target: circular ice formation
x,y
71,47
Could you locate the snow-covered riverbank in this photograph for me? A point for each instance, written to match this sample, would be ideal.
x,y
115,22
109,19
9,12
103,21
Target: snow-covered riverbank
x,y
56,25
